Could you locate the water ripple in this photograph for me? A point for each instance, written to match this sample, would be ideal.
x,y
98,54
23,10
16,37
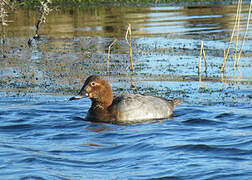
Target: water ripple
x,y
200,121
44,136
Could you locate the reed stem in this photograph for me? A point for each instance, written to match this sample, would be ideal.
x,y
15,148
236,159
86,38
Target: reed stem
x,y
44,11
202,53
128,33
245,34
231,38
238,30
108,57
3,16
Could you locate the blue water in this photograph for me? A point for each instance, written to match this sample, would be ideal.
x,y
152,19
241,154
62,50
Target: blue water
x,y
43,136
46,137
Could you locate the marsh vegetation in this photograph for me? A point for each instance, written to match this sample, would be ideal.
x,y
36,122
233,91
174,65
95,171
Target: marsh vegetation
x,y
51,50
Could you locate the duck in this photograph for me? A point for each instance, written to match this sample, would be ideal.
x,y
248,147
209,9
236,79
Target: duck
x,y
123,108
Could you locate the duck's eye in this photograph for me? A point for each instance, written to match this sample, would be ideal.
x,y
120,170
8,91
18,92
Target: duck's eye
x,y
92,83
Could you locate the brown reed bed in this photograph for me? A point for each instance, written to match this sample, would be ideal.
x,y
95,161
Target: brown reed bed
x,y
236,32
234,38
236,64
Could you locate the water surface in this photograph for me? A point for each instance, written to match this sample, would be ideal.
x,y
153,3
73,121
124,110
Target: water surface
x,y
44,136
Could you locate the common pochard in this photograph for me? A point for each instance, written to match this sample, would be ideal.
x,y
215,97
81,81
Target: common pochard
x,y
124,108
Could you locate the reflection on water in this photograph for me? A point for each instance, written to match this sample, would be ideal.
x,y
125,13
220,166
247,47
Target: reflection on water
x,y
112,21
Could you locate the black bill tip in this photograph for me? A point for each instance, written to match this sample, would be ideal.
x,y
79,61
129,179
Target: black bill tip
x,y
75,98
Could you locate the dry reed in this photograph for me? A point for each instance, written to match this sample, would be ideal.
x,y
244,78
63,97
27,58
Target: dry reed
x,y
236,28
223,67
3,16
202,53
44,11
108,57
245,35
128,38
128,34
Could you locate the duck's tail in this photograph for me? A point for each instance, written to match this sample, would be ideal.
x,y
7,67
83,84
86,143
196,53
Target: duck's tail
x,y
177,101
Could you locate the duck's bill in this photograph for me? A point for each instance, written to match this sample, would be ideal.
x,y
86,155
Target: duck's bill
x,y
76,98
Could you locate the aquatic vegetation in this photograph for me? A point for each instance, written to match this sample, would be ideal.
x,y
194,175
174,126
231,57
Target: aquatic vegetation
x,y
236,29
235,38
128,38
4,5
44,10
3,12
67,3
108,57
162,64
202,53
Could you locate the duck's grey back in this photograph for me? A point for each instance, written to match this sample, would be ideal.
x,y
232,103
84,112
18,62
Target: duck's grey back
x,y
136,107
